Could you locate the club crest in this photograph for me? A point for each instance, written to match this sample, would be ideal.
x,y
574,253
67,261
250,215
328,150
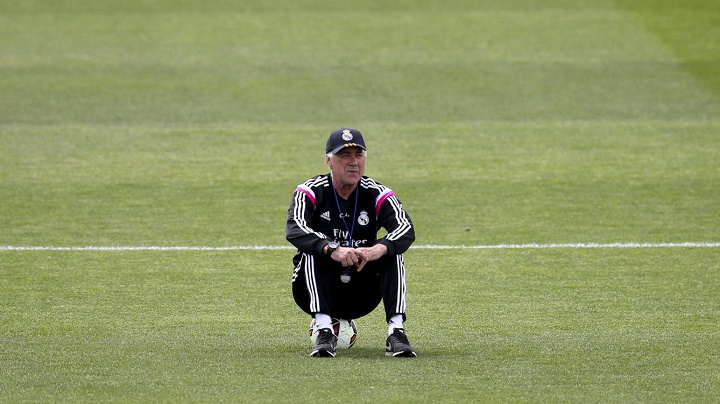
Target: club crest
x,y
363,219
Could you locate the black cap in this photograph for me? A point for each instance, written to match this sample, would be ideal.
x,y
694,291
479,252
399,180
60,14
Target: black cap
x,y
342,138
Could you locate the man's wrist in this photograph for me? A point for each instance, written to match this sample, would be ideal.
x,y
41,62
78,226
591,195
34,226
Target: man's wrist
x,y
330,248
389,248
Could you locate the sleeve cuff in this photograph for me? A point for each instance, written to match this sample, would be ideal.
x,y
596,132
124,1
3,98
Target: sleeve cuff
x,y
320,245
389,244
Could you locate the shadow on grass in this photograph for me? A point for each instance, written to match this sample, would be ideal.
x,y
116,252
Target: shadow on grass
x,y
378,353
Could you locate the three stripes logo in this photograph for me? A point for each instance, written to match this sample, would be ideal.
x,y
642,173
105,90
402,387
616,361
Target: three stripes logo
x,y
326,216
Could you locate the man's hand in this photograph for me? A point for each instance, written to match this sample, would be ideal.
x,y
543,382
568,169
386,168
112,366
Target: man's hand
x,y
349,257
373,253
358,257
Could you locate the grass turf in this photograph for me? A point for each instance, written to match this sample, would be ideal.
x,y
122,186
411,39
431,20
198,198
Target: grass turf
x,y
544,325
184,123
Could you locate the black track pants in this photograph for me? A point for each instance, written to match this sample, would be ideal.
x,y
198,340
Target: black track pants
x,y
317,287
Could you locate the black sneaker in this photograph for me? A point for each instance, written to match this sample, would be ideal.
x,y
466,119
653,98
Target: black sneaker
x,y
397,345
324,344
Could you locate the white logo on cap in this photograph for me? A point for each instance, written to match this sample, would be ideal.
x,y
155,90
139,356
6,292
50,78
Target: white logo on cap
x,y
347,136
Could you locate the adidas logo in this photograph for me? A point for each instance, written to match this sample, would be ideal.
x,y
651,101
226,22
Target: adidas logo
x,y
326,216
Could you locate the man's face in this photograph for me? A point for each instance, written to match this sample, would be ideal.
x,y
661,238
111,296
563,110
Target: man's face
x,y
347,166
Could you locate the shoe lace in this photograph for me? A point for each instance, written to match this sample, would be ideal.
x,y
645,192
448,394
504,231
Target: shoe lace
x,y
400,336
324,337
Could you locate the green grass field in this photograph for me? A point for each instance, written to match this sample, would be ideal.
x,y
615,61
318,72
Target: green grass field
x,y
188,124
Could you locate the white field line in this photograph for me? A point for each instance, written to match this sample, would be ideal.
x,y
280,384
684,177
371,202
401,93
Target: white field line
x,y
531,246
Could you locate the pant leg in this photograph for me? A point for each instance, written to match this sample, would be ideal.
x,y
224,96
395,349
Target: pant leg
x,y
393,284
311,285
317,288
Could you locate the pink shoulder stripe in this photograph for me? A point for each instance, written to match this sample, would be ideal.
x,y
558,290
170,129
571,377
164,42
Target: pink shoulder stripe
x,y
381,199
308,192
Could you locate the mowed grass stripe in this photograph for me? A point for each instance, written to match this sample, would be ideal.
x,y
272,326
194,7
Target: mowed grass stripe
x,y
530,246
